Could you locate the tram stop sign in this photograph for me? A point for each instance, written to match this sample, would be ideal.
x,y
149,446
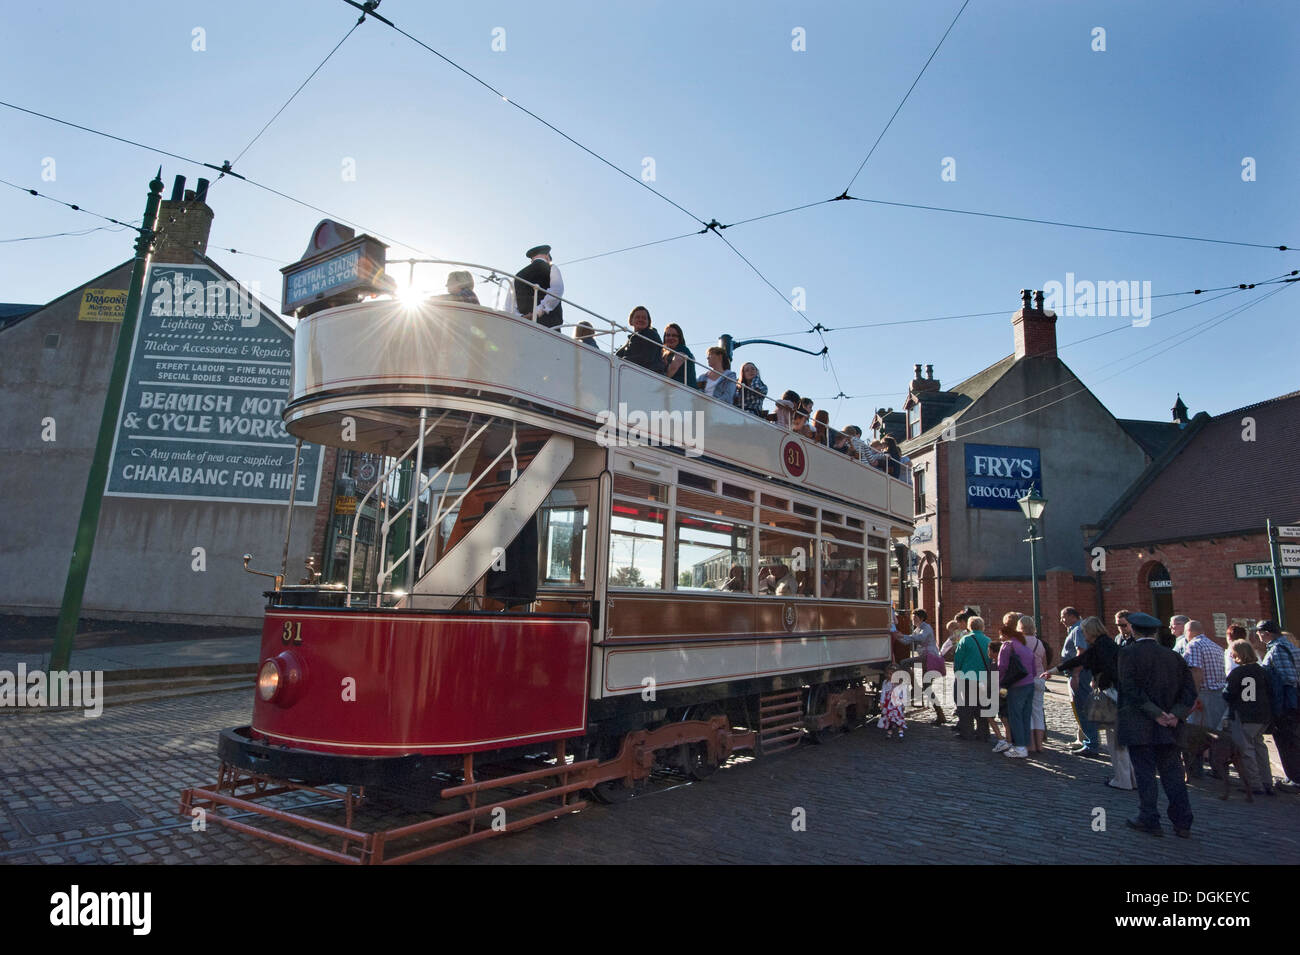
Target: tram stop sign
x,y
337,268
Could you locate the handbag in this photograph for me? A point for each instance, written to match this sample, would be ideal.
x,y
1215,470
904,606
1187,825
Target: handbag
x,y
934,662
1100,708
1015,670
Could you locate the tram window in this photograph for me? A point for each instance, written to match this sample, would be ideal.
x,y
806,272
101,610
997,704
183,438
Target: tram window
x,y
562,535
841,571
780,503
832,517
877,542
695,480
856,522
842,533
739,493
788,522
639,488
714,505
636,546
787,563
877,576
805,510
712,554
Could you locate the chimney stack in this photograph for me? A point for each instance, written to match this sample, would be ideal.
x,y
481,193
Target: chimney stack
x,y
184,222
1034,328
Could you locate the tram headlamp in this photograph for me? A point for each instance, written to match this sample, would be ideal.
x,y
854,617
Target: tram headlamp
x,y
268,680
281,679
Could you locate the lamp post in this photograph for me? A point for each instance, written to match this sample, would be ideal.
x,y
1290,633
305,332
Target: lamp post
x,y
1032,506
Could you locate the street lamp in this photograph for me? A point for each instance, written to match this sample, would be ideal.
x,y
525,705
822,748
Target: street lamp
x,y
1032,506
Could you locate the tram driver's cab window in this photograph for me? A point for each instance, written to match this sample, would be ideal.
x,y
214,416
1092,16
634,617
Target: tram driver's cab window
x,y
562,538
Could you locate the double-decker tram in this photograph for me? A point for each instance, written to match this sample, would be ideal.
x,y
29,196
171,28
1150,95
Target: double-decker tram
x,y
598,573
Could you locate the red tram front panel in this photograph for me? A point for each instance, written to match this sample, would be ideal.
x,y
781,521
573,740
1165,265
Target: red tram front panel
x,y
393,684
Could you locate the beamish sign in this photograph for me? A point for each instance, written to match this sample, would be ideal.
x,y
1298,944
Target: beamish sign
x,y
997,475
208,380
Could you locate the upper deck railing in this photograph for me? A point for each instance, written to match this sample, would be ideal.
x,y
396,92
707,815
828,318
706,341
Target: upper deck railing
x,y
503,282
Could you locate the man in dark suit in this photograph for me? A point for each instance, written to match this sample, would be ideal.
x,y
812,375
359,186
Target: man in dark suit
x,y
1156,693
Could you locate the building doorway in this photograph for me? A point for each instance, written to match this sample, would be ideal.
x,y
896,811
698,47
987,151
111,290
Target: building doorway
x,y
1162,593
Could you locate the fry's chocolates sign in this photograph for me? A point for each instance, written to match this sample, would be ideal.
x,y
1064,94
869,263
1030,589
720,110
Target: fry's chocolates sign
x,y
996,475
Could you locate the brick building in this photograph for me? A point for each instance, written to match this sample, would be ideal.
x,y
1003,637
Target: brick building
x,y
1189,535
978,445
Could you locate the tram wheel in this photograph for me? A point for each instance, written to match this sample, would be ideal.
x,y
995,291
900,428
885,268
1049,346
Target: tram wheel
x,y
693,758
818,701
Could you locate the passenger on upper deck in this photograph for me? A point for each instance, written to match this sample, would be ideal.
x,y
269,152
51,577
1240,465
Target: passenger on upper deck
x,y
540,273
752,391
736,579
719,381
679,362
785,409
822,427
586,334
644,346
460,288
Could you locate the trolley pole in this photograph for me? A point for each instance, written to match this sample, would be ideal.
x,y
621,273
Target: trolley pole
x,y
84,544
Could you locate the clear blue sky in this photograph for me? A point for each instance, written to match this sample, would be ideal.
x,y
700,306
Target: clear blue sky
x,y
1148,135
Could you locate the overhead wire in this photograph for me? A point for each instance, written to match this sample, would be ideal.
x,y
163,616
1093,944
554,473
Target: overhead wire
x,y
55,235
369,8
300,88
899,108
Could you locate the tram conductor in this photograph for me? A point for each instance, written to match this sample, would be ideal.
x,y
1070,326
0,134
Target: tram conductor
x,y
539,274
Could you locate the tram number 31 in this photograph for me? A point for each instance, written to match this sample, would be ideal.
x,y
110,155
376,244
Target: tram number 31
x,y
292,632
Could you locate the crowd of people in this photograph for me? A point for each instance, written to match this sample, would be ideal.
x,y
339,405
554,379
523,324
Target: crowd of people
x,y
1161,695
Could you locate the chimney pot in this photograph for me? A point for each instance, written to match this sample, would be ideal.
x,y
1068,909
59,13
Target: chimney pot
x,y
1038,296
201,193
1024,299
916,371
178,188
189,195
929,372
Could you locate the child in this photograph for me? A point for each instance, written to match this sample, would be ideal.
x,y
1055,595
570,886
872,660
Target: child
x,y
893,694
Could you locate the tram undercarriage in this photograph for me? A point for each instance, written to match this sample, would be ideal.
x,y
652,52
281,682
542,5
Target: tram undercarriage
x,y
474,797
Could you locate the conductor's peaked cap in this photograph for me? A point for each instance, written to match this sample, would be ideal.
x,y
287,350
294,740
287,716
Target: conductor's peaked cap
x,y
537,250
1143,621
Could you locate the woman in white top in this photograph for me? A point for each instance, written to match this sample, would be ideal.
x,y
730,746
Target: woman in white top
x,y
1037,718
719,381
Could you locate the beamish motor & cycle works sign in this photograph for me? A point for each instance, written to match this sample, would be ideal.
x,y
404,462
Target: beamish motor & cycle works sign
x,y
208,380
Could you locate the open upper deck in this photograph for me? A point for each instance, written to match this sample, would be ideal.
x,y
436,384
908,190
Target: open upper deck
x,y
367,368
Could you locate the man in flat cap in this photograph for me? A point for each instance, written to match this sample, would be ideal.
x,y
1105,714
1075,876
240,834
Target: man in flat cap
x,y
1156,693
539,274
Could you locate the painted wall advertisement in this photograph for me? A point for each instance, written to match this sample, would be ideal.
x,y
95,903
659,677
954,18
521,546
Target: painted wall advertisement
x,y
209,378
996,475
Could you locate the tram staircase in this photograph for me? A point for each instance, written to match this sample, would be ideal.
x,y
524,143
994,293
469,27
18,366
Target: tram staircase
x,y
501,497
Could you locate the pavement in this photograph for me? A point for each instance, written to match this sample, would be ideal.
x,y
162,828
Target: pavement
x,y
180,657
105,790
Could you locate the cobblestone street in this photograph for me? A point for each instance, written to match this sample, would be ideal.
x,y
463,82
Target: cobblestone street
x,y
106,790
